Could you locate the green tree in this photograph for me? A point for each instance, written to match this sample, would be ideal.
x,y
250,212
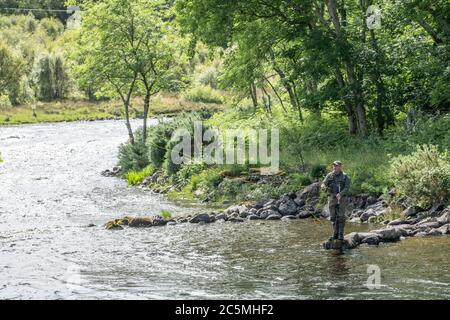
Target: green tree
x,y
129,47
12,68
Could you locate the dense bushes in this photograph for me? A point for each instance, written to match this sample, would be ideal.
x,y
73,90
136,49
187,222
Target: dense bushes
x,y
204,94
133,157
31,65
306,151
423,176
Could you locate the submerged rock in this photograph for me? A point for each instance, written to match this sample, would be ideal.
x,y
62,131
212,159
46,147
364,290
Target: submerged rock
x,y
288,217
141,222
112,225
202,217
274,216
111,173
304,214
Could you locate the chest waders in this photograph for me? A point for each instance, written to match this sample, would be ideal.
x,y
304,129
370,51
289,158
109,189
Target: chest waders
x,y
339,219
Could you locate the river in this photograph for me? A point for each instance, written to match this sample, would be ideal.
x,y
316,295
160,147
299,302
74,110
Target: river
x,y
51,190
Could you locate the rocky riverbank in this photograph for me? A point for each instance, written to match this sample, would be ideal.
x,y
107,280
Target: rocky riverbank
x,y
307,203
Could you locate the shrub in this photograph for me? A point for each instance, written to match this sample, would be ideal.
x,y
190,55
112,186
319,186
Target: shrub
x,y
206,180
204,94
299,180
135,177
392,213
4,101
208,77
318,171
133,156
423,176
166,214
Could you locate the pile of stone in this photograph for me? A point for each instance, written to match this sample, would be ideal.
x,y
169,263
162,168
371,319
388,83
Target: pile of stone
x,y
305,203
400,229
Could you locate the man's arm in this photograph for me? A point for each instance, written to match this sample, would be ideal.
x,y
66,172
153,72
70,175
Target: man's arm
x,y
325,183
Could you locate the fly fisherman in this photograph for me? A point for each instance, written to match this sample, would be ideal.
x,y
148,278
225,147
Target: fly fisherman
x,y
337,184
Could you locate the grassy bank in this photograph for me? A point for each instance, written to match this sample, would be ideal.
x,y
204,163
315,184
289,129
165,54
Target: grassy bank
x,y
306,150
73,110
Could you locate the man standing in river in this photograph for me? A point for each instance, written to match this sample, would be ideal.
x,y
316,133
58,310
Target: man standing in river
x,y
337,184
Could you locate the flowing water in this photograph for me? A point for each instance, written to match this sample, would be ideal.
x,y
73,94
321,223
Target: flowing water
x,y
51,190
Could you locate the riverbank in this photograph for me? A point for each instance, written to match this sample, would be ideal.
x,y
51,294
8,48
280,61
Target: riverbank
x,y
377,165
53,191
399,218
74,110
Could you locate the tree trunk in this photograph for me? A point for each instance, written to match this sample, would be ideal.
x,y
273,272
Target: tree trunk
x,y
352,128
290,91
352,79
433,34
127,121
146,109
254,96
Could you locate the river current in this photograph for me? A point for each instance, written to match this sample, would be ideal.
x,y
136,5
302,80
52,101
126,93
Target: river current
x,y
51,190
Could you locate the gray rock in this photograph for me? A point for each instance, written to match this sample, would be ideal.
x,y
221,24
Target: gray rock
x,y
445,229
159,222
426,225
288,217
243,214
397,222
351,240
274,216
201,217
372,219
409,212
309,192
444,218
287,206
420,234
391,233
373,210
270,207
253,217
236,220
221,216
434,232
299,202
235,209
303,214
436,209
371,200
264,214
371,240
171,223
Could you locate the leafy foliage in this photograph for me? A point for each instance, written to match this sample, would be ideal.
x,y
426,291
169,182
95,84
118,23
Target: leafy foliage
x,y
423,176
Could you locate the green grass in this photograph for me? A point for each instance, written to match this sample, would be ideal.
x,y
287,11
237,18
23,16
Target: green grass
x,y
75,110
135,177
166,214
